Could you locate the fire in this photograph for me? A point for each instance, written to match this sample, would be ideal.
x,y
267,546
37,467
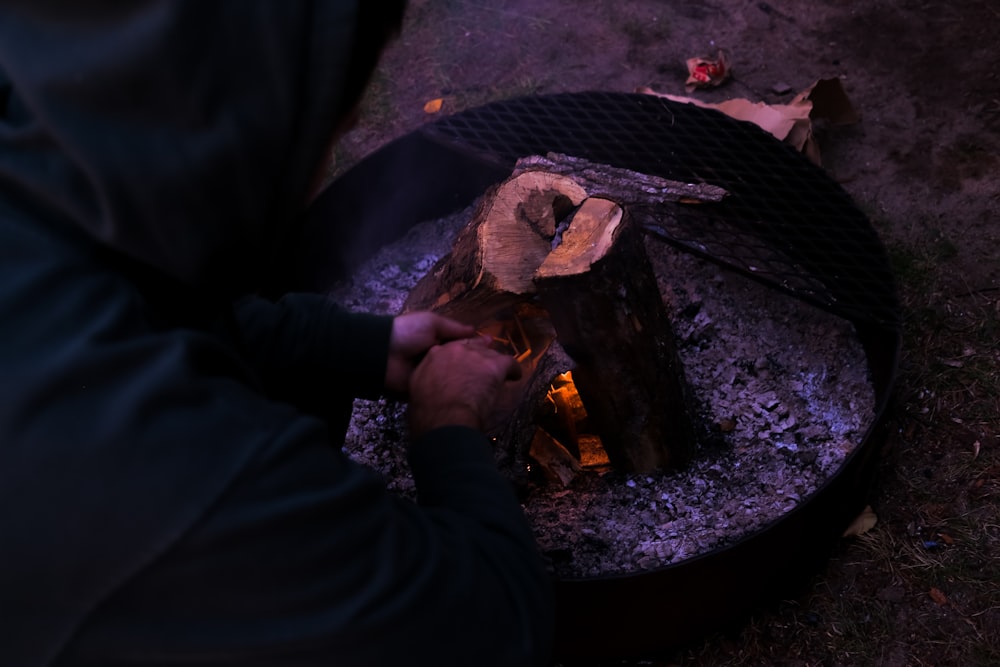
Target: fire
x,y
570,415
563,442
509,336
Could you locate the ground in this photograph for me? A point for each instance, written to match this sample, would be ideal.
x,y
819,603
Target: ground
x,y
922,587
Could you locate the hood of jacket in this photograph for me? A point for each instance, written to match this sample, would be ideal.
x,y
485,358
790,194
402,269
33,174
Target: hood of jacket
x,y
183,135
152,153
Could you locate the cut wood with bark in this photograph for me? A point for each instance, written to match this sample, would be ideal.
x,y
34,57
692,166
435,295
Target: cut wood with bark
x,y
493,259
601,294
538,236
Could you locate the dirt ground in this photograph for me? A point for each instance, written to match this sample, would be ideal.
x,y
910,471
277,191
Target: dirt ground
x,y
923,587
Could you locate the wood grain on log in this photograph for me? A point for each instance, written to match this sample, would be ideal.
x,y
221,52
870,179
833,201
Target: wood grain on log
x,y
493,259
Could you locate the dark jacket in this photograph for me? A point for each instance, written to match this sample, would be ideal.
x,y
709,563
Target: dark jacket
x,y
172,488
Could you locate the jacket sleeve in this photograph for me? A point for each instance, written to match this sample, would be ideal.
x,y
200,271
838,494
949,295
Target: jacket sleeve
x,y
307,350
309,561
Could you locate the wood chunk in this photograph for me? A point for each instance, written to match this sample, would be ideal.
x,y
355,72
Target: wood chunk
x,y
493,259
592,452
557,464
601,294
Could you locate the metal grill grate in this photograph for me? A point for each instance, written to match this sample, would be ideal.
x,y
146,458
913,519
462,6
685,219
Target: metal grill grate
x,y
786,223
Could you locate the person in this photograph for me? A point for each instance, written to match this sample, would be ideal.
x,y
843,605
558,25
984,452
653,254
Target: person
x,y
172,484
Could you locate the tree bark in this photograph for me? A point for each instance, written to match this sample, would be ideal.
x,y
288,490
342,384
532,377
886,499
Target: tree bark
x,y
628,188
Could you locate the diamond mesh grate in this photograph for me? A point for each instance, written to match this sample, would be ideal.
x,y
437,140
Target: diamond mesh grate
x,y
786,223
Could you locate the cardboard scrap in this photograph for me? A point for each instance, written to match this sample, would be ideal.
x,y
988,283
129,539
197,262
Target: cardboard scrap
x,y
825,100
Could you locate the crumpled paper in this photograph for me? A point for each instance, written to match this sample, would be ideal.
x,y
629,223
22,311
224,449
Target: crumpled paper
x,y
825,100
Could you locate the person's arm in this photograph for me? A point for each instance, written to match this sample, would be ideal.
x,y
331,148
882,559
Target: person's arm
x,y
306,349
307,560
310,351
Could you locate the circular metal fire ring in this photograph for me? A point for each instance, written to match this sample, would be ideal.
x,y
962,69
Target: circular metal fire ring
x,y
786,224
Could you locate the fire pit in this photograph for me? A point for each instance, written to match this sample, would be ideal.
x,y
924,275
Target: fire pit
x,y
783,234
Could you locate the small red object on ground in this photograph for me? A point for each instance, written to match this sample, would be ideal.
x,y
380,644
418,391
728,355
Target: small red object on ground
x,y
706,72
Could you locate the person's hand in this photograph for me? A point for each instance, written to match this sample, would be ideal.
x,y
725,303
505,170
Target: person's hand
x,y
412,336
457,384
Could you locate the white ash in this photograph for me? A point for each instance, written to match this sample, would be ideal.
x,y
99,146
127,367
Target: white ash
x,y
383,282
783,385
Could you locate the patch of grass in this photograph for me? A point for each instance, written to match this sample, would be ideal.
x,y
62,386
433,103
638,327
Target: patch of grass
x,y
645,30
377,107
910,267
933,596
915,266
969,156
947,480
519,87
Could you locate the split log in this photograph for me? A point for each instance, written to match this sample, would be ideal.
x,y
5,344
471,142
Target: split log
x,y
556,462
600,291
494,257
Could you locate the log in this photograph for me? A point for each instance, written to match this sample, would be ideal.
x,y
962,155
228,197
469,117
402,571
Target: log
x,y
627,187
601,294
494,257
